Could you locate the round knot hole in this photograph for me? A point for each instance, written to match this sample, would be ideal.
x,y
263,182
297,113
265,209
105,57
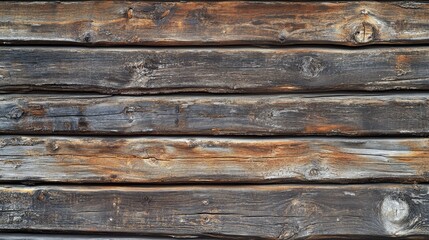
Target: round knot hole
x,y
364,33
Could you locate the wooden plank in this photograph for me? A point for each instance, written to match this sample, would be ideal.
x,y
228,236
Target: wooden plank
x,y
38,236
214,23
163,70
270,211
215,160
350,115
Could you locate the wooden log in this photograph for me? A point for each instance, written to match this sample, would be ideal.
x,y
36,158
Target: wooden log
x,y
400,114
215,160
264,211
141,71
214,23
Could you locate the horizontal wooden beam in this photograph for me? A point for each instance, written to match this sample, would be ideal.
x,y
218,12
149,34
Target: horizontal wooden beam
x,y
214,23
250,70
267,211
221,115
41,236
213,160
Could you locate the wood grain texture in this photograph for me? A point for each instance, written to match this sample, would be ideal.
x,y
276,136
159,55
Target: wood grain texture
x,y
214,23
221,115
269,212
162,70
38,236
214,160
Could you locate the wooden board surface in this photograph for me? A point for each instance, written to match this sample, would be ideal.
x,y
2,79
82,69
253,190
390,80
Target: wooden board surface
x,y
304,145
221,115
215,160
38,236
272,212
214,23
169,70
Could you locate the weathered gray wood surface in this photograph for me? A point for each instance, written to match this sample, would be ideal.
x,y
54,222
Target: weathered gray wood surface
x,y
215,23
221,115
274,212
163,70
216,160
38,236
248,211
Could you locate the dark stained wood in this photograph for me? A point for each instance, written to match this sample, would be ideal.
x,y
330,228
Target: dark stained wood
x,y
214,23
191,160
221,115
140,71
270,211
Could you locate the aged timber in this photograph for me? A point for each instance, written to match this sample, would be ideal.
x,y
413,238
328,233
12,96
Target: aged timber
x,y
214,23
41,236
272,212
189,160
400,114
140,71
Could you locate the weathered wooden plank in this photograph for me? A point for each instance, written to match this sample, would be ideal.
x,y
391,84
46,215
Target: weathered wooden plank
x,y
38,236
140,71
226,22
270,211
220,115
216,160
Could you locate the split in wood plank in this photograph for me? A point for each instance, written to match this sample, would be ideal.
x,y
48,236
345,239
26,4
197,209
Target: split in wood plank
x,y
267,211
312,114
214,160
214,23
250,70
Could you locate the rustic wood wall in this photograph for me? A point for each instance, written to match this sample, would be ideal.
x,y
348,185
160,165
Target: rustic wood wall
x,y
214,119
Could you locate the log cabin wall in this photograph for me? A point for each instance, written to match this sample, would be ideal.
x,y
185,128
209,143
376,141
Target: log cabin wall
x,y
214,119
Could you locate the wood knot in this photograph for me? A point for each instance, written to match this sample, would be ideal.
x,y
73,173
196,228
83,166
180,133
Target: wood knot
x,y
314,172
130,13
87,37
289,231
142,70
53,146
394,210
282,37
15,113
41,195
364,33
311,67
394,213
